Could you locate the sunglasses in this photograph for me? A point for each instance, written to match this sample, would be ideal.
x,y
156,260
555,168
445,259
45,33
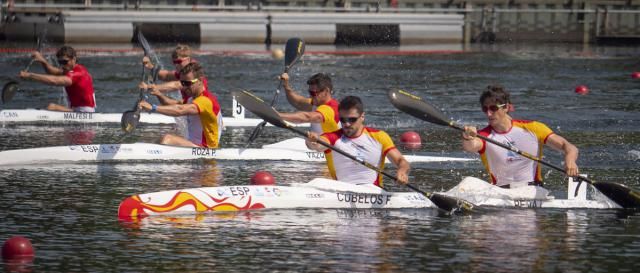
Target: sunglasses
x,y
493,108
314,93
178,61
63,61
188,83
351,120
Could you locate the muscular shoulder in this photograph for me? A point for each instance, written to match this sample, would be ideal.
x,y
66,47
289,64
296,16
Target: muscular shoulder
x,y
532,125
333,136
380,136
486,131
539,129
331,105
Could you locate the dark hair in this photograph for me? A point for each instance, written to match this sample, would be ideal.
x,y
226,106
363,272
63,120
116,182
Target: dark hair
x,y
66,51
192,67
495,94
350,102
322,81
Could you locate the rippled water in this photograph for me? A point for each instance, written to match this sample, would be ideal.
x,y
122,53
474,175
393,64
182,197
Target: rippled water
x,y
69,210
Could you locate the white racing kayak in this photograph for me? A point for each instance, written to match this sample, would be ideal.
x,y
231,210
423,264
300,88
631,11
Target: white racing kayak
x,y
319,193
291,149
482,193
37,116
331,194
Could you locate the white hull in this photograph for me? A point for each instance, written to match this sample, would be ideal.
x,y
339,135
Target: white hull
x,y
26,116
330,194
482,193
319,193
291,149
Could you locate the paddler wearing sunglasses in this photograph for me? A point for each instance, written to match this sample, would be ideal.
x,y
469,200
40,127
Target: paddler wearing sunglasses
x,y
320,108
365,143
180,57
75,78
204,119
506,168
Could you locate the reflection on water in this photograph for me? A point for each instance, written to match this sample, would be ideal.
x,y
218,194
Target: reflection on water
x,y
69,210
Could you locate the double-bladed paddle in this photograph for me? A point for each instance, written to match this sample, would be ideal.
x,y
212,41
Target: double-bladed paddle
x,y
260,108
11,88
415,106
293,51
131,118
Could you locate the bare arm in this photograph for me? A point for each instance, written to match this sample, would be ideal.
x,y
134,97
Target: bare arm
x,y
52,70
164,75
470,143
163,87
174,110
302,117
312,142
298,101
570,153
167,75
165,100
402,175
46,79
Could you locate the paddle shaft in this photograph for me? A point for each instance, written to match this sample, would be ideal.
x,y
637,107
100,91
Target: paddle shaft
x,y
522,153
366,164
263,123
260,108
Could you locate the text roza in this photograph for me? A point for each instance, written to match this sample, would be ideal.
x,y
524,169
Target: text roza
x,y
203,152
359,198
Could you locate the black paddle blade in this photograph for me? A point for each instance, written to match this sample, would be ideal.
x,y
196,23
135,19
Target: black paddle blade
x,y
9,90
415,106
257,106
256,131
129,120
451,204
148,51
621,194
144,43
293,50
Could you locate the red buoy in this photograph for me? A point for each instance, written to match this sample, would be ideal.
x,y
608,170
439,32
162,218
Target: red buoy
x,y
411,140
635,75
582,89
263,178
17,247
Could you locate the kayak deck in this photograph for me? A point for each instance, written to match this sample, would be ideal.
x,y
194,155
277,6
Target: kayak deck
x,y
291,149
39,116
331,194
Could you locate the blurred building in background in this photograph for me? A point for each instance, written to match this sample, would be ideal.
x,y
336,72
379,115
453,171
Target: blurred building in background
x,y
350,22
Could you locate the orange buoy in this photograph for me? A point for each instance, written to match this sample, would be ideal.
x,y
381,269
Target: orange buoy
x,y
17,247
582,89
411,140
277,54
263,178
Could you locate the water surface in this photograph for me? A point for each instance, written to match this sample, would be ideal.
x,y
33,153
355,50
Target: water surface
x,y
69,210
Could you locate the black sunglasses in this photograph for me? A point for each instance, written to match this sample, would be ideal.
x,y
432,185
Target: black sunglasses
x,y
493,108
63,61
349,120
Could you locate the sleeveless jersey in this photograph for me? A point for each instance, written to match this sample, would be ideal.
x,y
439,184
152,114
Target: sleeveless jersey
x,y
506,167
205,128
330,118
371,146
80,93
